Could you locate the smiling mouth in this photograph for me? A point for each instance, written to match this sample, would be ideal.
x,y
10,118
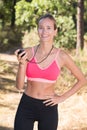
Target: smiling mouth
x,y
45,36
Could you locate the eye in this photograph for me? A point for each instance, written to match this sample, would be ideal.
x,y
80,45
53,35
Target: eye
x,y
49,28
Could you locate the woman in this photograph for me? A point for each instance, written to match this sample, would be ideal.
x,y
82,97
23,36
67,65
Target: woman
x,y
42,65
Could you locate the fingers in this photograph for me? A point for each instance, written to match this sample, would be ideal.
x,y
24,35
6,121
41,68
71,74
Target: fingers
x,y
19,52
21,55
51,101
16,52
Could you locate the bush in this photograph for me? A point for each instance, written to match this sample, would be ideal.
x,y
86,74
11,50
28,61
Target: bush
x,y
10,39
30,38
67,34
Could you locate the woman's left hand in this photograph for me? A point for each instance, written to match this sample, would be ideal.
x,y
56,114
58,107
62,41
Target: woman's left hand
x,y
53,100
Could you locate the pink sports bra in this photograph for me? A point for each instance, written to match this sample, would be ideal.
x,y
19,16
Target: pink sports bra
x,y
48,74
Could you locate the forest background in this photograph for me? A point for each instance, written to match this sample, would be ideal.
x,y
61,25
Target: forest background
x,y
18,29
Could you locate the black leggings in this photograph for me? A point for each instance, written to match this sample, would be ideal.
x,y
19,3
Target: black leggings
x,y
31,110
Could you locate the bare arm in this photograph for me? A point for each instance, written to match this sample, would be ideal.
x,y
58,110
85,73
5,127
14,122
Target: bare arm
x,y
66,60
81,80
20,77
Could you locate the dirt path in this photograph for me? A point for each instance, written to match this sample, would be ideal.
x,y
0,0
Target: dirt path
x,y
8,57
72,113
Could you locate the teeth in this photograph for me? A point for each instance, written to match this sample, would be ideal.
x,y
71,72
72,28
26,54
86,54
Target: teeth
x,y
44,36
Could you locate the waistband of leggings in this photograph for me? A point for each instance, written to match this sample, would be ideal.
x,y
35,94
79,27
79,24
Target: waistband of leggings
x,y
35,100
32,98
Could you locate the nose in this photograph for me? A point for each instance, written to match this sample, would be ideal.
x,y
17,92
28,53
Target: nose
x,y
44,30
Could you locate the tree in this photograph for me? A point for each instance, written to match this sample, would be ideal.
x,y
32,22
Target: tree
x,y
13,13
80,26
27,14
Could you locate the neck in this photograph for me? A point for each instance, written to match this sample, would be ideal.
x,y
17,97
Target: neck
x,y
45,48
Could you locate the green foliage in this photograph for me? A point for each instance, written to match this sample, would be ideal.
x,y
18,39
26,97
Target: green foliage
x,y
28,13
85,37
10,39
5,12
85,16
67,34
23,11
30,38
63,7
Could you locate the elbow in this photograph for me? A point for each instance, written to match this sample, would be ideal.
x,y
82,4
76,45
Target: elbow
x,y
84,81
18,88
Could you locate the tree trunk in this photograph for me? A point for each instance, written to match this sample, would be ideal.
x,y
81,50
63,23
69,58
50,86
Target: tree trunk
x,y
80,26
13,14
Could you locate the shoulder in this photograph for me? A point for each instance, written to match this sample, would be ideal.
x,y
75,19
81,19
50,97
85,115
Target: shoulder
x,y
68,61
61,53
64,58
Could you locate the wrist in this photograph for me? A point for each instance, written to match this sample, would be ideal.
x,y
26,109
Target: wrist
x,y
63,98
21,64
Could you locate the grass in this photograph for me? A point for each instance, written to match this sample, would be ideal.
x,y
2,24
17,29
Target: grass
x,y
72,116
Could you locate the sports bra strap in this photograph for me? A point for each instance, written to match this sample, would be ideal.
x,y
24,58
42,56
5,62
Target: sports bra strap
x,y
57,54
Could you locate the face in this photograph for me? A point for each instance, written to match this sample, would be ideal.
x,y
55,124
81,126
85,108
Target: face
x,y
46,30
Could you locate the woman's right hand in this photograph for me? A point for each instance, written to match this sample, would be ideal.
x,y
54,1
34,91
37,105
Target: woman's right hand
x,y
22,56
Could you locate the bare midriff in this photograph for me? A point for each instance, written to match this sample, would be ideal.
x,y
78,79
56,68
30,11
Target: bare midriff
x,y
39,90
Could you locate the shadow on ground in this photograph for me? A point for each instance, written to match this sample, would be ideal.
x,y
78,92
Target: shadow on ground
x,y
5,128
7,84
